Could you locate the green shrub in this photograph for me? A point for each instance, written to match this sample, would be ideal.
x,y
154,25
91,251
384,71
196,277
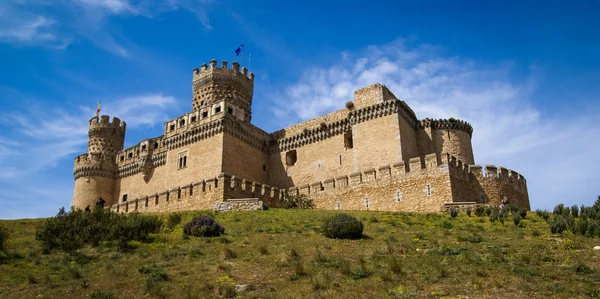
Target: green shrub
x,y
3,240
513,208
494,215
561,210
488,211
558,224
453,212
575,211
173,220
479,211
468,211
342,226
203,226
516,218
98,294
301,201
69,231
523,213
543,214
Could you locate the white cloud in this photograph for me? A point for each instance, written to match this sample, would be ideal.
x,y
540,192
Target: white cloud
x,y
46,140
552,152
55,26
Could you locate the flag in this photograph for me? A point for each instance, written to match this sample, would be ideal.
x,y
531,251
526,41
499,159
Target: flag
x,y
98,110
239,49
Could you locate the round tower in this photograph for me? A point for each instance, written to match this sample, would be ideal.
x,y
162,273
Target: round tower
x,y
452,136
95,171
220,89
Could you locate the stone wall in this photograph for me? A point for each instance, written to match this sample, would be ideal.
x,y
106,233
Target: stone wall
x,y
243,160
422,185
239,204
204,159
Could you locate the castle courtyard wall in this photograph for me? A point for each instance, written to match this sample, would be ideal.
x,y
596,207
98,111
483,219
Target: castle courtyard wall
x,y
316,161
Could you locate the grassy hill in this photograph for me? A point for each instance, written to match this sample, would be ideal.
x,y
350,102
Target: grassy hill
x,y
281,254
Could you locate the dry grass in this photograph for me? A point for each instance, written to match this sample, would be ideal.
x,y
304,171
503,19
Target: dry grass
x,y
281,254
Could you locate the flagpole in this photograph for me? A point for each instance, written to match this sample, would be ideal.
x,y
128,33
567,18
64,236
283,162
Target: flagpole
x,y
243,65
249,59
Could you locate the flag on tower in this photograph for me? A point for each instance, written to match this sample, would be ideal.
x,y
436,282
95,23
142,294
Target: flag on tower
x,y
239,49
98,110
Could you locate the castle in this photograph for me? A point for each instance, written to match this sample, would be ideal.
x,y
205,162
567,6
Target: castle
x,y
373,154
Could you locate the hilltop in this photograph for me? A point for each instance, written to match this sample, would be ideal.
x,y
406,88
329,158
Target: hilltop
x,y
281,254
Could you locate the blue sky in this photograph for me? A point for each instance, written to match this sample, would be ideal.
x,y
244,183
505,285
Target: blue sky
x,y
524,74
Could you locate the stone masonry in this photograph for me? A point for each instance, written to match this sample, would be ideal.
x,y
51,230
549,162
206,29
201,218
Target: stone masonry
x,y
374,154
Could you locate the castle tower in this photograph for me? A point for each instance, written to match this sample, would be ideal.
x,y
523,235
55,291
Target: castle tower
x,y
217,90
95,171
451,136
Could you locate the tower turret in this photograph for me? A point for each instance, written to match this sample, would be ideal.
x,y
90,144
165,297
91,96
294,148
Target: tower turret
x,y
95,171
220,89
451,136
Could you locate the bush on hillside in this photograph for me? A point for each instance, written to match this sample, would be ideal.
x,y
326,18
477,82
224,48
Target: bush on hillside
x,y
301,201
523,213
203,226
3,240
173,220
69,231
468,211
543,214
453,212
561,210
516,218
575,211
479,211
342,226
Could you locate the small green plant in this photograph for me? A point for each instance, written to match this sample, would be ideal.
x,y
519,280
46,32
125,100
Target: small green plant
x,y
583,268
301,201
453,212
468,211
342,226
494,215
100,294
543,214
558,224
3,240
523,213
575,211
516,218
479,211
559,209
173,220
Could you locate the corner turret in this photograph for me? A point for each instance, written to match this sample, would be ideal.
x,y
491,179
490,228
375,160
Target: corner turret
x,y
95,171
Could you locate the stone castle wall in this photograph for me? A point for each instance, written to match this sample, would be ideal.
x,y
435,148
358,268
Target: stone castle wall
x,y
374,154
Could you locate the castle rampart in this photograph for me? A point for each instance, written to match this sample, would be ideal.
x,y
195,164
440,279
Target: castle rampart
x,y
374,154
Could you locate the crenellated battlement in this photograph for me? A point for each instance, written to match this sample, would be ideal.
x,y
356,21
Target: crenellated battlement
x,y
446,124
213,86
491,172
212,69
104,122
